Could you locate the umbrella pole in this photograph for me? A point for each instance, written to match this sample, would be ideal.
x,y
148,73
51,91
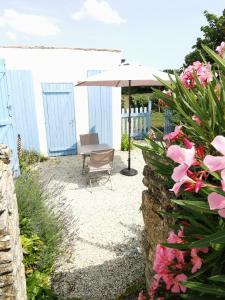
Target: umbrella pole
x,y
129,124
128,171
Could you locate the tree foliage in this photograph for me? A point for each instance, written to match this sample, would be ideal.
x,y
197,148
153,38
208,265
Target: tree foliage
x,y
213,35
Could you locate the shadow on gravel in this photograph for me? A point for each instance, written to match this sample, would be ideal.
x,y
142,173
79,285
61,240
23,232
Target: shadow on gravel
x,y
68,169
108,280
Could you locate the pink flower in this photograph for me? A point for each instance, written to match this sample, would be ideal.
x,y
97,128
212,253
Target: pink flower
x,y
188,143
217,201
177,286
168,265
184,157
175,238
141,296
196,260
185,180
198,185
202,71
196,119
221,49
163,258
216,163
174,135
223,180
154,286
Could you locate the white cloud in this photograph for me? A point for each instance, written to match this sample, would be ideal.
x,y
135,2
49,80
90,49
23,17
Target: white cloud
x,y
98,10
29,24
11,35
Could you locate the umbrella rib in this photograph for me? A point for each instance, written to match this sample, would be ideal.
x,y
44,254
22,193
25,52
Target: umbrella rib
x,y
118,82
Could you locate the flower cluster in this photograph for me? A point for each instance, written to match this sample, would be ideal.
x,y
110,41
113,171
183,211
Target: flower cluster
x,y
182,175
202,71
221,49
193,179
176,135
172,265
217,163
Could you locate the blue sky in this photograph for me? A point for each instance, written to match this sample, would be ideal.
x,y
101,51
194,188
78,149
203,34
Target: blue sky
x,y
154,33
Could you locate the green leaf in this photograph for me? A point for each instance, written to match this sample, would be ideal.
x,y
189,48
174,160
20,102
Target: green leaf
x,y
220,61
168,85
200,206
219,278
176,246
204,288
216,238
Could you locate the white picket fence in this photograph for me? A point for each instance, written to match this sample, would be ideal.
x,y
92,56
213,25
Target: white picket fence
x,y
168,122
140,121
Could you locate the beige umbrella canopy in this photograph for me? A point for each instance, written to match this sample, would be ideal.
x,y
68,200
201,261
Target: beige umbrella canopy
x,y
123,75
127,76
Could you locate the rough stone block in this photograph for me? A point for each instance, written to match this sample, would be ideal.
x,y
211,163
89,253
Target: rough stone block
x,y
155,199
5,242
6,268
4,223
5,257
12,274
6,279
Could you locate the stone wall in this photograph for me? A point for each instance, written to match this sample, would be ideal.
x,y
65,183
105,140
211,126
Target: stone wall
x,y
12,275
154,199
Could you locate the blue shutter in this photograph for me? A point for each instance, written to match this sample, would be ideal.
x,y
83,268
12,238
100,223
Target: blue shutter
x,y
7,127
100,111
23,102
60,118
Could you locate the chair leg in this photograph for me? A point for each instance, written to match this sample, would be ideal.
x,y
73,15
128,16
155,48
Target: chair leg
x,y
109,173
83,164
90,183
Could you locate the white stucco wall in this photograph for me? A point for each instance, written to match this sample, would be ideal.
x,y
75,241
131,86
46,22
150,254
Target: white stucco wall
x,y
61,66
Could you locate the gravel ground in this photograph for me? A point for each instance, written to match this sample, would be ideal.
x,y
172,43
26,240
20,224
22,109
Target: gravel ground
x,y
101,251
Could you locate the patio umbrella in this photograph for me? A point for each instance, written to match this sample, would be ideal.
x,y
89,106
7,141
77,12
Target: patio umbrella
x,y
127,76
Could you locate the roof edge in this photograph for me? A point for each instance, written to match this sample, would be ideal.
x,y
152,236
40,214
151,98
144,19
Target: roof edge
x,y
62,48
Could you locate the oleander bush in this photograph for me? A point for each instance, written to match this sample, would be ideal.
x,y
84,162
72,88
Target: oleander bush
x,y
190,264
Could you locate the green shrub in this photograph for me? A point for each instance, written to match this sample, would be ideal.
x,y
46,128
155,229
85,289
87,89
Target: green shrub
x,y
40,236
157,120
125,143
28,158
139,100
39,287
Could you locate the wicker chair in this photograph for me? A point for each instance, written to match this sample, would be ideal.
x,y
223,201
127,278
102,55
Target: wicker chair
x,y
101,161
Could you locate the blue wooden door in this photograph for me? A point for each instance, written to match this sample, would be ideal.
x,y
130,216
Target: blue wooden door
x,y
7,126
24,111
60,118
100,111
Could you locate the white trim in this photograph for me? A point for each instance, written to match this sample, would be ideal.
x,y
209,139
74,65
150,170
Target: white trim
x,y
116,117
81,113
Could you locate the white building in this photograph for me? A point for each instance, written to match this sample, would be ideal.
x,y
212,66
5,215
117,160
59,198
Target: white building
x,y
52,115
